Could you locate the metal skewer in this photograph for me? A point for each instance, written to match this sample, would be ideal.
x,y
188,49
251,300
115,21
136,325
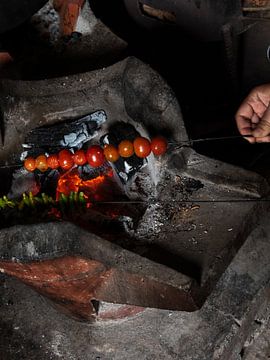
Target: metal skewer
x,y
175,143
219,138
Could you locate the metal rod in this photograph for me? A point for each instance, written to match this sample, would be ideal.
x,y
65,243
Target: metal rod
x,y
176,143
191,141
143,202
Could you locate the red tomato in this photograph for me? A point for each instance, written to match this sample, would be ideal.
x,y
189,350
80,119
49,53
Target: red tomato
x,y
52,161
41,163
79,157
142,147
125,148
111,153
65,159
95,156
159,145
30,164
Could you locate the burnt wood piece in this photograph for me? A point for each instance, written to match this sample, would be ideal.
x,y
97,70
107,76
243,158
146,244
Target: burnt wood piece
x,y
77,285
125,168
68,134
256,4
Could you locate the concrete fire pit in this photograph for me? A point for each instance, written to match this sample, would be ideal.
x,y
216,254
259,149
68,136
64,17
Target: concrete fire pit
x,y
176,286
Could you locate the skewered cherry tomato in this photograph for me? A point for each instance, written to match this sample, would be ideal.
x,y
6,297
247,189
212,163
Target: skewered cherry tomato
x,y
30,164
111,153
95,156
125,148
65,159
52,161
41,163
159,145
79,157
142,147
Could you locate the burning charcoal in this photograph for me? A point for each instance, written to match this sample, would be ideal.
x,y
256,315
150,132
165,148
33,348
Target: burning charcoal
x,y
68,134
126,168
87,172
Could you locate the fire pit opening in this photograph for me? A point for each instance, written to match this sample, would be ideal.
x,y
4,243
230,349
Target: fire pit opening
x,y
146,225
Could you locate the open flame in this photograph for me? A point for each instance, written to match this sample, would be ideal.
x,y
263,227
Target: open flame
x,y
94,189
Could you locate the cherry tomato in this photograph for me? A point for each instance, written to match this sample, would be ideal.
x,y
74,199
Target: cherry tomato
x,y
95,156
52,161
159,145
79,157
125,148
41,163
30,164
142,147
65,159
111,153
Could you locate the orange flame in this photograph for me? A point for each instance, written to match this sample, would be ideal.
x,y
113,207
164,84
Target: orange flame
x,y
71,182
99,189
95,189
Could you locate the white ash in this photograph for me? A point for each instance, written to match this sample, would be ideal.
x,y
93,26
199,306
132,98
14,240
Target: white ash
x,y
128,167
152,221
123,176
77,139
106,139
24,154
127,224
46,23
86,20
141,185
23,182
99,117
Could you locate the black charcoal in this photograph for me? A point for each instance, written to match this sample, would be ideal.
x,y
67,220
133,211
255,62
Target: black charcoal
x,y
125,168
69,134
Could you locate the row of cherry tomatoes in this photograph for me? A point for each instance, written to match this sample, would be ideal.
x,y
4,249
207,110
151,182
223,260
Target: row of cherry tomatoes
x,y
95,156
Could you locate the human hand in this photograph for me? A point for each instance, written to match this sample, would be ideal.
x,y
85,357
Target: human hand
x,y
253,116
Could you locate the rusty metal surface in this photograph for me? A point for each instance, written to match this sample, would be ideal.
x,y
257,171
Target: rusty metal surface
x,y
256,3
202,19
31,329
77,286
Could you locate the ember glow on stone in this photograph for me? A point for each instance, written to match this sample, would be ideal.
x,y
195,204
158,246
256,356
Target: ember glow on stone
x,y
65,159
142,147
126,148
95,156
30,164
159,145
111,153
41,163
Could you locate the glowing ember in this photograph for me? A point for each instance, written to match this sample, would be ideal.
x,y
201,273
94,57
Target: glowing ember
x,y
71,182
101,188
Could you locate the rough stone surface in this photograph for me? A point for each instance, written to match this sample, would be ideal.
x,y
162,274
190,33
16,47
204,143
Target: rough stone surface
x,y
26,105
33,329
45,54
191,230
